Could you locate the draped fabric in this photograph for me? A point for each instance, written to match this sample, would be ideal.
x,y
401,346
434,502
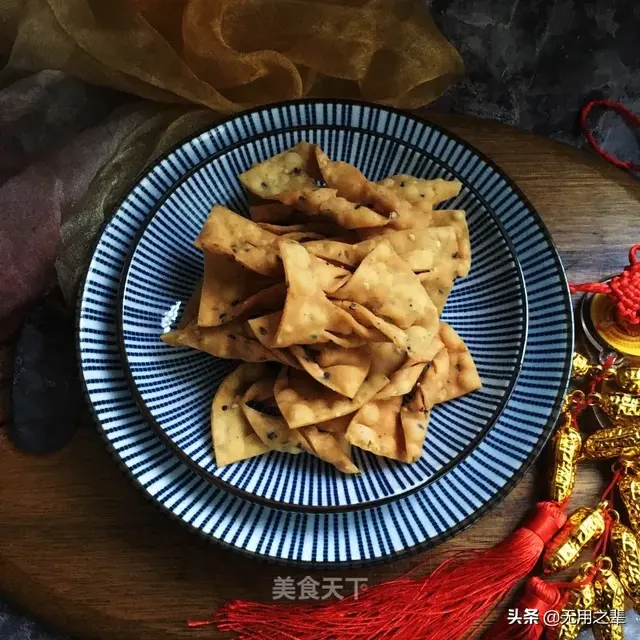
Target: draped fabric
x,y
71,144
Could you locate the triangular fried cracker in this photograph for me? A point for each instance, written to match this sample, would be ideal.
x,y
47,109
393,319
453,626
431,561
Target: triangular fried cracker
x,y
292,169
422,249
275,434
228,233
416,340
266,327
314,201
422,192
271,429
308,314
230,290
350,183
233,437
229,341
402,381
463,376
328,448
304,401
337,368
457,220
414,427
438,282
376,427
387,286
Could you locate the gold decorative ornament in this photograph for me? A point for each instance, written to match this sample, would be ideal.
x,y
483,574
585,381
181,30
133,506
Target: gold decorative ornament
x,y
566,448
622,408
585,525
628,378
626,551
614,442
582,597
580,366
629,489
609,594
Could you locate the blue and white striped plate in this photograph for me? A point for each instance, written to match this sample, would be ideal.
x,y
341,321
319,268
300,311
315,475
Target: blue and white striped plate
x,y
174,387
414,522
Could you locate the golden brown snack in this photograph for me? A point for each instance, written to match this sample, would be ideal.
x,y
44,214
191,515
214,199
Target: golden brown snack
x,y
292,169
271,429
343,284
422,192
230,290
456,220
321,201
386,285
331,448
304,401
230,341
335,367
376,427
233,437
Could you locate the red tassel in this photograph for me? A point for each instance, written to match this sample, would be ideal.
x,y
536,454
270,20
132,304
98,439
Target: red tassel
x,y
444,605
538,595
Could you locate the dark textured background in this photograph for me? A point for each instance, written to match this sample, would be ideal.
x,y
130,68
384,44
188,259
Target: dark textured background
x,y
531,64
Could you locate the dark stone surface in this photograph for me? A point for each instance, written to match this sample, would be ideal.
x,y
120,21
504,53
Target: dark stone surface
x,y
531,64
46,395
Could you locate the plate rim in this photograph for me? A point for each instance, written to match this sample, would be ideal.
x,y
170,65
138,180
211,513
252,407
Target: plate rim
x,y
292,506
453,530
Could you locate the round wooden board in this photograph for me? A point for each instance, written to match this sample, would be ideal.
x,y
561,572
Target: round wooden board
x,y
83,549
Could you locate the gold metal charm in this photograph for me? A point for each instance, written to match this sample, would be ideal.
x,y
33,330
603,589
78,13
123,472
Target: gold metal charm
x,y
628,378
579,598
622,408
618,441
609,596
566,447
629,488
626,550
580,366
584,525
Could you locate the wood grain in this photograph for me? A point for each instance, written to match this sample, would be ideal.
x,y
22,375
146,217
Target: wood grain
x,y
83,549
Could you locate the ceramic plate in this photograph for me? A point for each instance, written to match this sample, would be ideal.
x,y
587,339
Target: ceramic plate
x,y
414,522
174,387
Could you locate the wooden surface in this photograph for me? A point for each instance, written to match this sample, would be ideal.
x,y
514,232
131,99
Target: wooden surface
x,y
83,549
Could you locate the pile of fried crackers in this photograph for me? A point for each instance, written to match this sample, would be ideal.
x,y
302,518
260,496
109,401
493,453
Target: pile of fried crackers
x,y
331,294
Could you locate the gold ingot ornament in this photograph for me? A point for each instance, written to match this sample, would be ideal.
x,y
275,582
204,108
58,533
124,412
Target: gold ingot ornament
x,y
629,489
580,366
609,596
582,597
622,408
626,551
584,525
566,447
614,442
628,378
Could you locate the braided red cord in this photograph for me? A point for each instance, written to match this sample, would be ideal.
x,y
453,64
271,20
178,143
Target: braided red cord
x,y
625,113
623,289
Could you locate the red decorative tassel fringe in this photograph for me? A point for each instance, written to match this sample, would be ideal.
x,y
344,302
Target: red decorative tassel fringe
x,y
538,595
444,605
